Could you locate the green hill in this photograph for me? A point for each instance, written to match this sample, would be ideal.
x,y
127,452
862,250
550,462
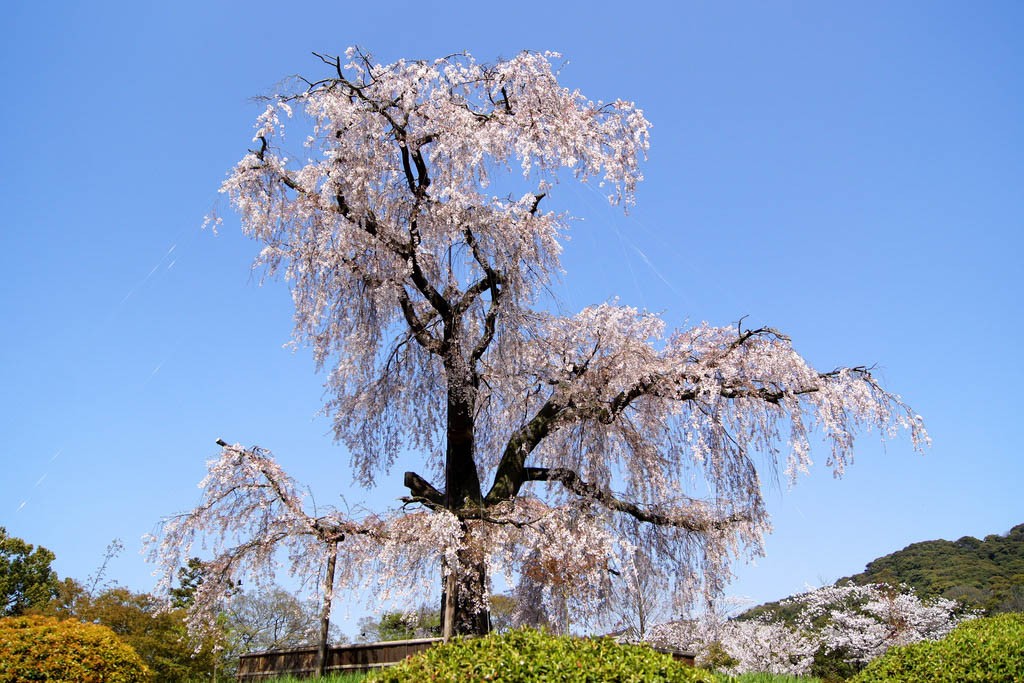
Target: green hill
x,y
984,574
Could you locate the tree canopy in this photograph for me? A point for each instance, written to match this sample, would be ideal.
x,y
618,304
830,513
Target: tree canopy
x,y
26,579
415,233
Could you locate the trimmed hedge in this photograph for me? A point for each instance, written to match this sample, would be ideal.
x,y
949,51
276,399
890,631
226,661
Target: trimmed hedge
x,y
47,649
529,655
989,649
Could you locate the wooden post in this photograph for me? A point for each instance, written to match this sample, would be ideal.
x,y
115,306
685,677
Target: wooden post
x,y
449,594
325,613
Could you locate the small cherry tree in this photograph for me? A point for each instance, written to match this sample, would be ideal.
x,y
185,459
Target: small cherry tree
x,y
739,647
547,440
863,622
846,626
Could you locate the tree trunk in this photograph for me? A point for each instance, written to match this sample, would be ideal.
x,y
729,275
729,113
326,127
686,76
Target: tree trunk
x,y
325,612
463,597
462,482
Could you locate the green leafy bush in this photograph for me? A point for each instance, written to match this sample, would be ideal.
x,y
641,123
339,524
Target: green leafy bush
x,y
529,655
47,649
989,649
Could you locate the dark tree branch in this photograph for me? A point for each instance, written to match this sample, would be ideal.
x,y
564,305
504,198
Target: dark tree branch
x,y
510,475
418,328
423,491
536,202
572,482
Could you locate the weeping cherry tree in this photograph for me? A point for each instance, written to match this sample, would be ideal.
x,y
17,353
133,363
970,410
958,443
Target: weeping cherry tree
x,y
552,446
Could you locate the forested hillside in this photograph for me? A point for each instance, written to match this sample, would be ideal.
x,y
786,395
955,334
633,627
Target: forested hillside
x,y
987,574
983,574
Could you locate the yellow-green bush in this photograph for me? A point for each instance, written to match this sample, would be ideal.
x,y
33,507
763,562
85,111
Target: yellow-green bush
x,y
989,649
47,649
529,655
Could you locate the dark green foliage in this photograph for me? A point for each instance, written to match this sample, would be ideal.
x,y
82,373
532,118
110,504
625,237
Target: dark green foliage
x,y
779,611
986,574
46,649
989,649
529,655
189,579
26,580
834,665
424,623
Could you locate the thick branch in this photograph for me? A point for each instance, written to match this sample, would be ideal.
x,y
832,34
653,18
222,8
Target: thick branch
x,y
678,519
509,477
491,281
423,491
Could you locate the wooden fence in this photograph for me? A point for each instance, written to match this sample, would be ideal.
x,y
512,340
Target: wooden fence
x,y
300,662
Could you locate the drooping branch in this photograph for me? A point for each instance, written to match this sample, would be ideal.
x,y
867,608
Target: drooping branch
x,y
688,520
250,509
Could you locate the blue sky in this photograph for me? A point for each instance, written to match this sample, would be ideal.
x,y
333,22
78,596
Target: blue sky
x,y
850,174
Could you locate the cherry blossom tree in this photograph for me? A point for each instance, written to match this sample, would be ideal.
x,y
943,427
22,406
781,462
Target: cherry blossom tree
x,y
415,234
849,624
861,622
739,647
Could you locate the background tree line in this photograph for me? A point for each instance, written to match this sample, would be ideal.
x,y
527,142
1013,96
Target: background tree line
x,y
985,575
260,619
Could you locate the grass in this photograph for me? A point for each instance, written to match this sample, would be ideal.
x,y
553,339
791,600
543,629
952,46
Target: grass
x,y
332,678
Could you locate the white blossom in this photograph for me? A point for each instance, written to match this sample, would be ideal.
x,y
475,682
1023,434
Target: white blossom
x,y
864,621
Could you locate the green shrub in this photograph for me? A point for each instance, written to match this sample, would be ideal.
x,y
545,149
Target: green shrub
x,y
989,649
47,649
528,655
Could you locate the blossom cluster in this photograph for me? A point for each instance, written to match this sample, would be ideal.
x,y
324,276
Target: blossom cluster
x,y
857,623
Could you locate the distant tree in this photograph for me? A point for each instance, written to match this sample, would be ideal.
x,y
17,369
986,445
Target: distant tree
x,y
831,632
26,580
414,236
1014,600
271,618
423,622
503,608
862,622
638,599
189,579
739,647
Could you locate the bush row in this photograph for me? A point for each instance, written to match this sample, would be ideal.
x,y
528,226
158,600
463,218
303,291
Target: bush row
x,y
989,649
529,655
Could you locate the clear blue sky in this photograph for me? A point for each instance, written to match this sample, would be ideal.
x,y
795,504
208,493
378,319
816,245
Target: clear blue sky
x,y
849,173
